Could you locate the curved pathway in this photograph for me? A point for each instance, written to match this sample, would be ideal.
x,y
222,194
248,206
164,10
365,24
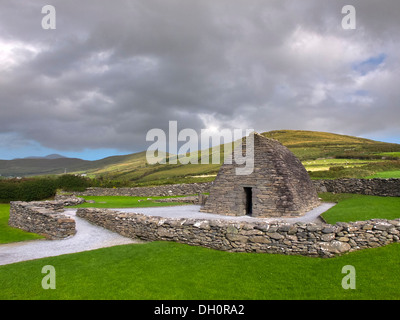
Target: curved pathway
x,y
90,237
87,237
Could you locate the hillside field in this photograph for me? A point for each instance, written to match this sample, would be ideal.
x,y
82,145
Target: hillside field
x,y
324,155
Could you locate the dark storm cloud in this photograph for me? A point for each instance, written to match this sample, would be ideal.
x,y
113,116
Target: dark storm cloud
x,y
111,71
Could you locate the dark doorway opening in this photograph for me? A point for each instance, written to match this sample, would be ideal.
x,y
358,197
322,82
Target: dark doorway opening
x,y
249,200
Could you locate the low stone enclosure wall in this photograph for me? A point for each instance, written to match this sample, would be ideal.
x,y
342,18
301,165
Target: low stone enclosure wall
x,y
324,240
316,240
163,190
377,187
374,187
44,217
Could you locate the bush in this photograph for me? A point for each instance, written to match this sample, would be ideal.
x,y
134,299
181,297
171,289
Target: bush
x,y
8,191
26,189
337,168
69,182
103,182
34,189
37,189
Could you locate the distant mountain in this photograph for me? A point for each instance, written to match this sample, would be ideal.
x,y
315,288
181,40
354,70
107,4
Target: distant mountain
x,y
306,145
50,156
56,164
41,166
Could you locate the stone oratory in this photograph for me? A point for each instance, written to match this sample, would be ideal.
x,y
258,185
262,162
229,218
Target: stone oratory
x,y
278,186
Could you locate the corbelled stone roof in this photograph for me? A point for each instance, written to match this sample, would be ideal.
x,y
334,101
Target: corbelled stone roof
x,y
278,185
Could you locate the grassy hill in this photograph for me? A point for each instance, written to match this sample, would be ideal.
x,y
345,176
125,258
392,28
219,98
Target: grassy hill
x,y
28,167
45,166
311,145
319,152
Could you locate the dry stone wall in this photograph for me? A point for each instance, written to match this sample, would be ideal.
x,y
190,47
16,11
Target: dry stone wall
x,y
378,187
323,240
164,190
43,217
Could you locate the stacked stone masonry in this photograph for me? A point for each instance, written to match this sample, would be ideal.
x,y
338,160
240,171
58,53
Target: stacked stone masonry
x,y
278,185
316,240
160,191
377,187
44,217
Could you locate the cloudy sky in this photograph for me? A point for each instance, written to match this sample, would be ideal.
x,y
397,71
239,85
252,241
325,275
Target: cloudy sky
x,y
113,70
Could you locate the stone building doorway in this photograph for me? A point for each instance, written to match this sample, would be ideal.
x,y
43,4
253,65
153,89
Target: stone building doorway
x,y
248,191
278,186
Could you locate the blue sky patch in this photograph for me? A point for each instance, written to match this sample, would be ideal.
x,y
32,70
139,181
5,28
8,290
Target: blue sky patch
x,y
370,64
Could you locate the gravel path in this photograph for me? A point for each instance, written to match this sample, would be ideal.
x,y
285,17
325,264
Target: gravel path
x,y
90,237
192,211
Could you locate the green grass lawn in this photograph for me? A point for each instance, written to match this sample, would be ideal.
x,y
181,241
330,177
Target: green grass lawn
x,y
125,202
356,207
8,234
167,270
364,169
385,175
390,154
325,164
